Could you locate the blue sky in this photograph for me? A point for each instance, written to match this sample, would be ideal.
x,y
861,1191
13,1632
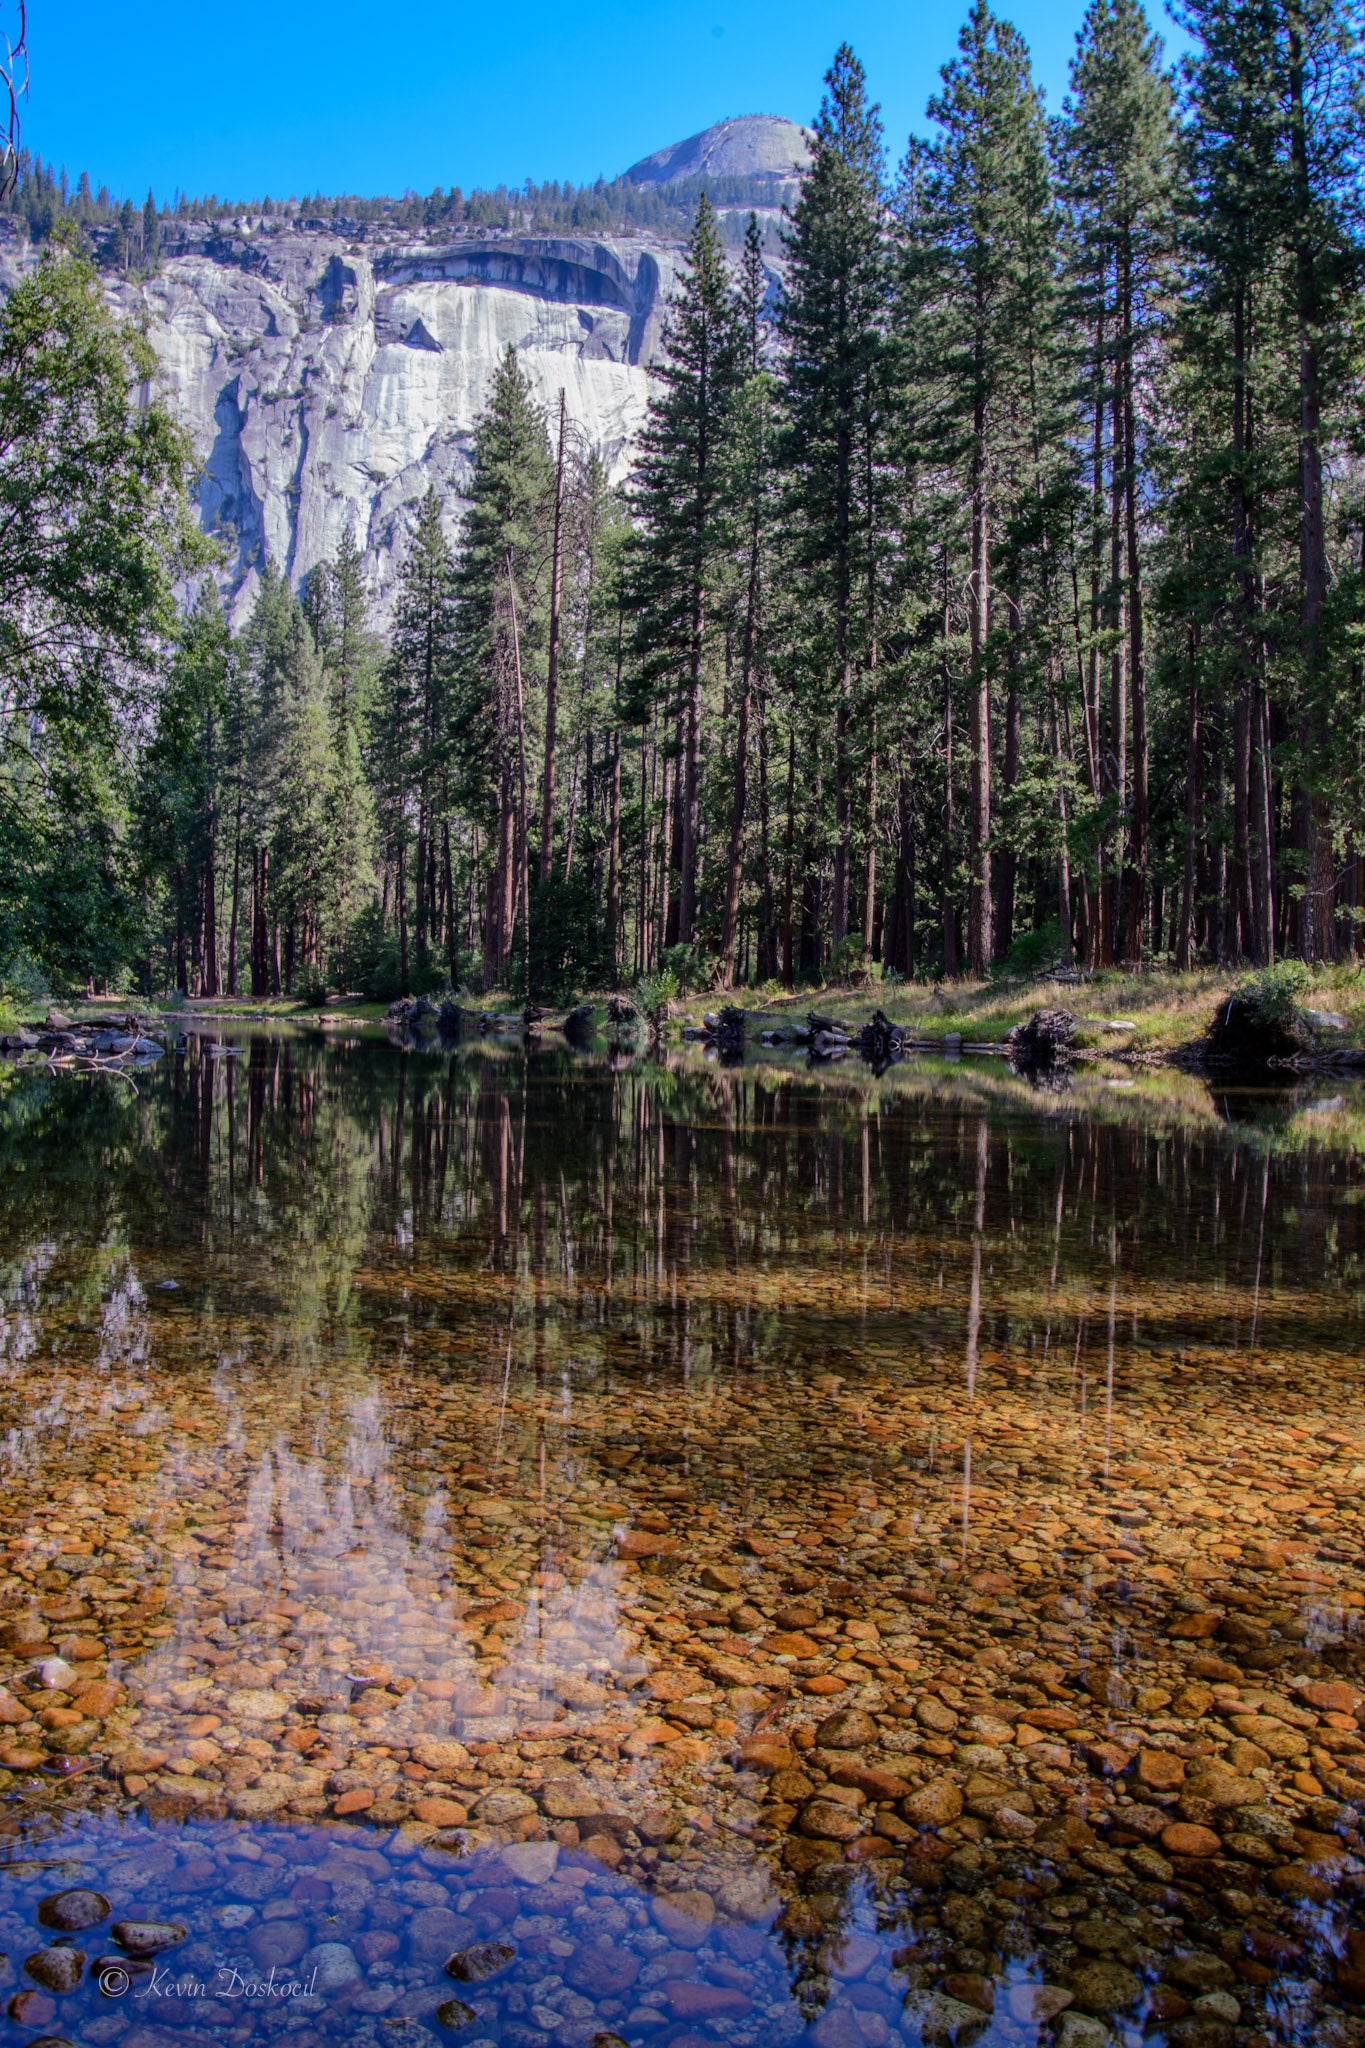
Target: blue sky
x,y
299,97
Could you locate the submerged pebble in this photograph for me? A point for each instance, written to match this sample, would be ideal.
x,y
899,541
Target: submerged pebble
x,y
759,1642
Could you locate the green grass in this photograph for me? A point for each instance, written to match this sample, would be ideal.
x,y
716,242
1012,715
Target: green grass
x,y
1164,1010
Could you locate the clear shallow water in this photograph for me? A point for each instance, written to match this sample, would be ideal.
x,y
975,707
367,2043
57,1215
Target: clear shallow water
x,y
793,1556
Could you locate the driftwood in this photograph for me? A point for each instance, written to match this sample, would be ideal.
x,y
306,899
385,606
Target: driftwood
x,y
411,1013
1045,1040
725,1026
880,1041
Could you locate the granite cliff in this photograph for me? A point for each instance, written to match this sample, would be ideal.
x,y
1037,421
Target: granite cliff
x,y
325,381
328,371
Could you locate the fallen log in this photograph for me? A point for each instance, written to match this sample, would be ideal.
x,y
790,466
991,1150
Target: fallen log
x,y
1044,1040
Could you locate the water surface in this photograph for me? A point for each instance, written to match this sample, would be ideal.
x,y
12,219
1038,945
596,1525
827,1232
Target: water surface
x,y
790,1556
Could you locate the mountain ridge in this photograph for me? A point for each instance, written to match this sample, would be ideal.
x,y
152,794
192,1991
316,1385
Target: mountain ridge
x,y
745,145
328,372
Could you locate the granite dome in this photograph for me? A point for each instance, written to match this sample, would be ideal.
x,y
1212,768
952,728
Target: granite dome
x,y
751,145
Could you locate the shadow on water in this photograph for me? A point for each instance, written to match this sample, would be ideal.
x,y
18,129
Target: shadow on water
x,y
833,1557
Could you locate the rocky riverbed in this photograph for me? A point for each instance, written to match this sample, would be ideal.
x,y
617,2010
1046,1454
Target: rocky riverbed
x,y
848,1646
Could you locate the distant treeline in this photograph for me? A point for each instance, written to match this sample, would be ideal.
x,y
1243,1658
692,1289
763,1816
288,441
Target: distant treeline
x,y
124,236
993,592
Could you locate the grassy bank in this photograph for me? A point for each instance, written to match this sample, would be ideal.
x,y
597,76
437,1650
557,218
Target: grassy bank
x,y
1120,1014
1116,1012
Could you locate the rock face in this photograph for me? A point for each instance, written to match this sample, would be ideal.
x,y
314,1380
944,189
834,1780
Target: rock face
x,y
326,380
752,145
329,372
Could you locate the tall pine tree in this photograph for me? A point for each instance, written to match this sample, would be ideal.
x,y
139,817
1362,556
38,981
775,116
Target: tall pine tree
x,y
987,238
833,332
681,504
503,594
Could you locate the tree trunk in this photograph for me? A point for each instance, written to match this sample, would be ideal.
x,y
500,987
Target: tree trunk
x,y
1318,935
735,862
1008,863
1116,753
1139,835
523,850
452,942
1263,819
180,964
950,960
789,862
870,869
404,967
547,799
1185,944
689,808
209,978
979,821
236,899
1064,910
421,879
1099,946
1244,921
843,654
614,857
767,939
667,906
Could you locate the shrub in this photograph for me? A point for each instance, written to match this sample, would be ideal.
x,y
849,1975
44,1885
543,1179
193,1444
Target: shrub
x,y
568,949
1032,951
1260,1020
692,968
23,982
1275,992
652,991
367,959
848,961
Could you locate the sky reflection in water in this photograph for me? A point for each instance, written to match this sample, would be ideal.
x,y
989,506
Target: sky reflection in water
x,y
866,1561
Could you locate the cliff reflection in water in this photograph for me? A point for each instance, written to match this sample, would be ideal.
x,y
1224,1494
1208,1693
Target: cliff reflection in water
x,y
893,1545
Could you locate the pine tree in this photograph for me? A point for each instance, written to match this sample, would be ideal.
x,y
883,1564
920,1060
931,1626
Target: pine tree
x,y
681,504
1117,154
303,853
503,590
151,234
750,490
832,324
268,652
1274,172
986,238
175,808
409,721
337,609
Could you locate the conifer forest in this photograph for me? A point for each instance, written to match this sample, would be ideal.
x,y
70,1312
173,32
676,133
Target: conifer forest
x,y
989,585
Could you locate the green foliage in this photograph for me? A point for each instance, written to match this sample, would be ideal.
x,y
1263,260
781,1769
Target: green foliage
x,y
568,951
23,983
691,968
653,991
501,582
849,962
1274,995
1030,952
365,961
94,530
1006,599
